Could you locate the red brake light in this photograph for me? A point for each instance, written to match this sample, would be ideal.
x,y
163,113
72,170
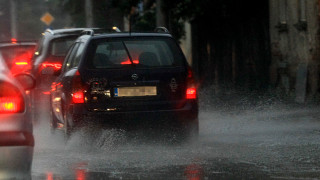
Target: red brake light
x,y
11,101
78,89
191,92
78,97
56,66
10,104
22,63
129,62
13,40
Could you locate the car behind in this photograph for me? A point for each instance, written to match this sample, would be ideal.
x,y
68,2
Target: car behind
x,y
17,55
16,130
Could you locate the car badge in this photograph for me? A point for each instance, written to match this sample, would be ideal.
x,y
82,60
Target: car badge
x,y
173,85
134,76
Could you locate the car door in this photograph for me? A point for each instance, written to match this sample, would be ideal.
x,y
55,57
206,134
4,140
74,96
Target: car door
x,y
58,89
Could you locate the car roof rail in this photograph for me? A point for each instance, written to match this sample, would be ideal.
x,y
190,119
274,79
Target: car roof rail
x,y
87,32
49,31
94,31
161,30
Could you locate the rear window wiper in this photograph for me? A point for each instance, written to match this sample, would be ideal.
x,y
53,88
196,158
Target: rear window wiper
x,y
128,53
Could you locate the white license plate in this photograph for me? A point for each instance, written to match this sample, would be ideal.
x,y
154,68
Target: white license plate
x,y
135,91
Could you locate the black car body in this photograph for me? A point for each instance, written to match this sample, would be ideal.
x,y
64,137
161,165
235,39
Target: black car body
x,y
125,78
16,129
17,55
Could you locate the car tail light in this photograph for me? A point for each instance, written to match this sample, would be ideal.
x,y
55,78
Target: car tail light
x,y
13,40
21,63
10,104
129,62
78,97
55,66
191,91
11,100
77,89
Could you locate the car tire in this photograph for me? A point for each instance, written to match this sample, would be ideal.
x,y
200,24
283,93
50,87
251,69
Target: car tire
x,y
192,130
68,122
188,131
66,118
53,118
53,121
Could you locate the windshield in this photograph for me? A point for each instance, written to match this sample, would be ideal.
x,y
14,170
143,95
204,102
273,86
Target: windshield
x,y
13,54
59,47
142,52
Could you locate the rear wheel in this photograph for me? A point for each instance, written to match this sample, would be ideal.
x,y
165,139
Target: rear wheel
x,y
67,125
53,119
192,130
69,120
189,131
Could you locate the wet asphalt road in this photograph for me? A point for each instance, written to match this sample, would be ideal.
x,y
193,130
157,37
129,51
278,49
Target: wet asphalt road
x,y
260,141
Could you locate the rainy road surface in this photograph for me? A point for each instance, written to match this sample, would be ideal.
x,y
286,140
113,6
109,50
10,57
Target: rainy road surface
x,y
261,141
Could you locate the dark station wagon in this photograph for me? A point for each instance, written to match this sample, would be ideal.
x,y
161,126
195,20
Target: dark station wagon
x,y
129,79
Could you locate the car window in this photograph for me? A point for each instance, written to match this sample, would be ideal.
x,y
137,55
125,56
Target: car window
x,y
39,47
12,54
77,56
144,52
3,66
60,47
70,56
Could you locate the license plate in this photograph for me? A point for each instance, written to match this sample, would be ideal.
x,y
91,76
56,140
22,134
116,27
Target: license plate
x,y
135,91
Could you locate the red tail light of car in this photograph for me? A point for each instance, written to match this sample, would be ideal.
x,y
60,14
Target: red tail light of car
x,y
14,40
11,101
21,63
129,62
10,104
78,89
55,66
78,97
191,92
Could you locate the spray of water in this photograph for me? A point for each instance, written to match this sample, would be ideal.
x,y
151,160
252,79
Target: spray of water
x,y
249,128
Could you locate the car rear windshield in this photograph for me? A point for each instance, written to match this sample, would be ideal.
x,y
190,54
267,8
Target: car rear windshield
x,y
138,51
12,54
60,46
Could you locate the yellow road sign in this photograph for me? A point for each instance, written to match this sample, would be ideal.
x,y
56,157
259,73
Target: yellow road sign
x,y
47,18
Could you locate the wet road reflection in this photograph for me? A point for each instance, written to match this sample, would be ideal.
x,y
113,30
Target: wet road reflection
x,y
271,142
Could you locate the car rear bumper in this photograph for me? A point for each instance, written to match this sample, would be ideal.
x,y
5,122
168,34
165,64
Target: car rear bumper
x,y
189,112
16,139
17,122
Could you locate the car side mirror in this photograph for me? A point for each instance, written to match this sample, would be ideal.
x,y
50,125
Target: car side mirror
x,y
27,81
